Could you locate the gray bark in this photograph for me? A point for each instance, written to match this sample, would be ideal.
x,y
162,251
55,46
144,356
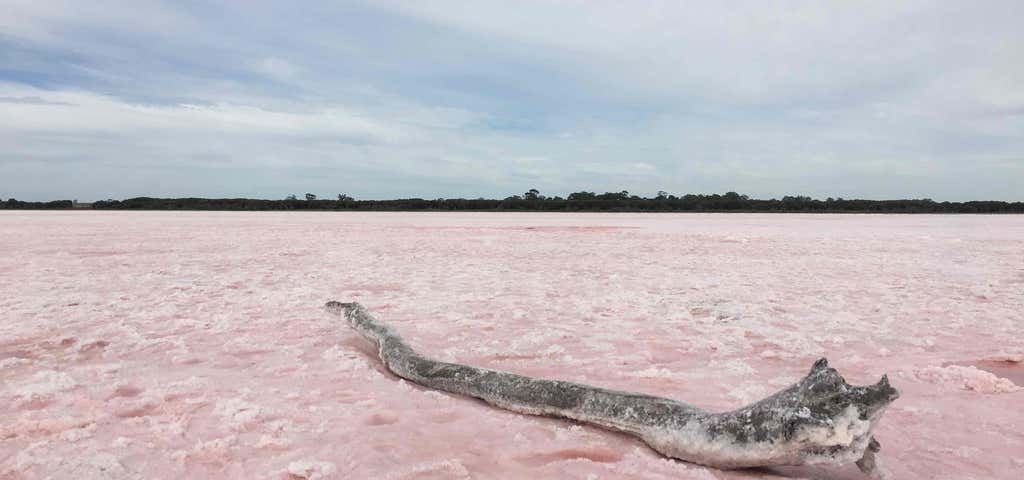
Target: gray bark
x,y
819,419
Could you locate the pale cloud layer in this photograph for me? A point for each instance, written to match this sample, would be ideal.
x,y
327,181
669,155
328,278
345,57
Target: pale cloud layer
x,y
386,99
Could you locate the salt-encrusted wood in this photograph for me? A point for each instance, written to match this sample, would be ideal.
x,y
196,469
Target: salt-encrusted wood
x,y
819,419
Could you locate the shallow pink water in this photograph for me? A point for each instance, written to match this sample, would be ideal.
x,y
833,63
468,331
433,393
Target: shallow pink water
x,y
193,345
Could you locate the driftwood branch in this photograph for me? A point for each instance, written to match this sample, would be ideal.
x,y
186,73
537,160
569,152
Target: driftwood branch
x,y
819,419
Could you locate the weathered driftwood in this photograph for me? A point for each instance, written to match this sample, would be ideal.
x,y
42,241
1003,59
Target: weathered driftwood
x,y
820,419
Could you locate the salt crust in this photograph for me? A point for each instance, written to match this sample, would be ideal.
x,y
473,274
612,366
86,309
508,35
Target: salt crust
x,y
311,469
194,307
966,378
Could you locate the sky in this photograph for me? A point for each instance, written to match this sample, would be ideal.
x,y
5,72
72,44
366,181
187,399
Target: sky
x,y
390,99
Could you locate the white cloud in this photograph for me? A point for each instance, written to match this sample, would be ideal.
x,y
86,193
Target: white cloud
x,y
753,51
490,98
48,20
277,68
88,113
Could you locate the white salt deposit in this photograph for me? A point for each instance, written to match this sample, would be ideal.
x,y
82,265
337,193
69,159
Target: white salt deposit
x,y
311,469
967,378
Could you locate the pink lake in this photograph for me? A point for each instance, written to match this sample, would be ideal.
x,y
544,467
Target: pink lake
x,y
194,344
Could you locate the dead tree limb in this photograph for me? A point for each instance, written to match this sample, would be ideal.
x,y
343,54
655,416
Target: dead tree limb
x,y
819,419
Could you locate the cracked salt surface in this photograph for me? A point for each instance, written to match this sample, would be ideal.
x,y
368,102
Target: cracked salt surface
x,y
193,345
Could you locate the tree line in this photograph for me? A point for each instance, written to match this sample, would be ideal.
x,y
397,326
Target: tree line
x,y
533,200
12,204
